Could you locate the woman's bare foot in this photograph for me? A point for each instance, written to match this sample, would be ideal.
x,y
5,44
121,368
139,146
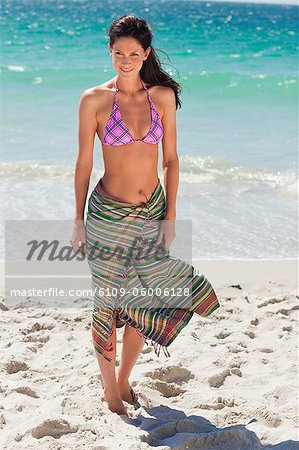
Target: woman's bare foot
x,y
127,393
115,404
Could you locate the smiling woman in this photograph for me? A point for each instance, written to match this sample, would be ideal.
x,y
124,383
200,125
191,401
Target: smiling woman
x,y
130,219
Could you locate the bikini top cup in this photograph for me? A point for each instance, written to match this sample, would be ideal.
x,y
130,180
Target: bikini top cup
x,y
117,133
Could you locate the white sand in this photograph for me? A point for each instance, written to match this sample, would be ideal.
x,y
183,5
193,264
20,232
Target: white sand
x,y
230,383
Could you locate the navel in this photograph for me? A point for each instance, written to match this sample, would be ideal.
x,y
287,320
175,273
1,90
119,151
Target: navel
x,y
141,191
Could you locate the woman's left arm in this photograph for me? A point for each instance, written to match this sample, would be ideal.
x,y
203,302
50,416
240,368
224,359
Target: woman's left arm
x,y
170,161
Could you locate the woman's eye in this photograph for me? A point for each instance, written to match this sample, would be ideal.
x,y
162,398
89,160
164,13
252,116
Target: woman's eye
x,y
118,53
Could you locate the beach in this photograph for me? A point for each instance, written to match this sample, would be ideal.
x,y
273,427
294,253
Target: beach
x,y
230,382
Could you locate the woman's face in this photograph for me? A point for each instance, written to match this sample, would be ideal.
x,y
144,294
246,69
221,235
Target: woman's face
x,y
128,55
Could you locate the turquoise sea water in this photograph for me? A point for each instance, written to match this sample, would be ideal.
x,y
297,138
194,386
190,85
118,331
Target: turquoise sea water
x,y
237,129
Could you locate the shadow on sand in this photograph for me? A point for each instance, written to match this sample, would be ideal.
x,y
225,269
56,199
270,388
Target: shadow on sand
x,y
171,428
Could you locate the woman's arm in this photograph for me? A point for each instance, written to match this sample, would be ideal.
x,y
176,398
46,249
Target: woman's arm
x,y
84,163
170,160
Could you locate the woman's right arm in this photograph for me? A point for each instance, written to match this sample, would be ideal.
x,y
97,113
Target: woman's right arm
x,y
84,163
86,134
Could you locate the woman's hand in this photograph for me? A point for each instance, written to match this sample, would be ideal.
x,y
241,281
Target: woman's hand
x,y
78,238
166,232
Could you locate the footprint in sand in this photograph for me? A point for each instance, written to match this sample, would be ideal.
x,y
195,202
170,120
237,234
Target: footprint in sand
x,y
167,389
287,312
238,349
219,403
171,374
37,337
218,379
15,366
284,312
266,350
271,301
255,322
54,428
223,335
26,391
38,326
250,334
236,371
168,380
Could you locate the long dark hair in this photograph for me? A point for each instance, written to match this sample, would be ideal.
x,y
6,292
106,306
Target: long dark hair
x,y
151,72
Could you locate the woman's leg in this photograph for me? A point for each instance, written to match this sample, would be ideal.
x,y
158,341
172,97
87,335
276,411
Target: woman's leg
x,y
111,389
132,346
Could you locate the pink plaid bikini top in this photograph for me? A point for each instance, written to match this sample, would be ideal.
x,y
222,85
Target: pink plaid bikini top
x,y
117,133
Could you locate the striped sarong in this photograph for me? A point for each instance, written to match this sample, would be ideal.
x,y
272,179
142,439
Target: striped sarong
x,y
135,281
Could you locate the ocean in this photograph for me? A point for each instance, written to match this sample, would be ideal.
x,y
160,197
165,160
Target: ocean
x,y
237,129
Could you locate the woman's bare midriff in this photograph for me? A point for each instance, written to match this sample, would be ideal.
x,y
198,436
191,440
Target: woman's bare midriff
x,y
131,171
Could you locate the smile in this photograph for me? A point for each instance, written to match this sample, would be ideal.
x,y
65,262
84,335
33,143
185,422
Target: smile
x,y
125,70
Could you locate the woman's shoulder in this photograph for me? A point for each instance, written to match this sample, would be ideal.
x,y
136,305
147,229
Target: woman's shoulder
x,y
107,86
159,88
162,96
99,93
162,93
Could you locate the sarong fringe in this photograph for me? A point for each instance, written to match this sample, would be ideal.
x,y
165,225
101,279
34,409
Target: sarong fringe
x,y
158,347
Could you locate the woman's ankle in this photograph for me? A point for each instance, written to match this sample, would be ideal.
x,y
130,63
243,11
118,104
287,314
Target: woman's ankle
x,y
111,391
122,378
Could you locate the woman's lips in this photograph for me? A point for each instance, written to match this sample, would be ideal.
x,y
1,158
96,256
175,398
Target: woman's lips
x,y
124,70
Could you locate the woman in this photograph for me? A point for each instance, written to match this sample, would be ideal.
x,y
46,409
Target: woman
x,y
129,216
